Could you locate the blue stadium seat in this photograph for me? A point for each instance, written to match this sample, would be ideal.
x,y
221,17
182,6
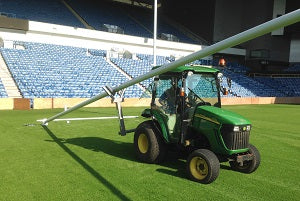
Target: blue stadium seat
x,y
43,11
289,86
136,68
133,21
3,93
295,68
44,70
245,86
97,14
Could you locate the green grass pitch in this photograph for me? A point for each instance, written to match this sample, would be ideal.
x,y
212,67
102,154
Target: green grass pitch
x,y
88,160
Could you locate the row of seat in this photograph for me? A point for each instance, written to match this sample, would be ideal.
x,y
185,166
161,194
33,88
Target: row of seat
x,y
98,14
145,19
43,11
44,70
3,93
290,86
293,68
133,21
134,68
245,86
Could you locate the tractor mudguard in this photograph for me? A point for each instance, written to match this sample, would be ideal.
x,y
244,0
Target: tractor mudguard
x,y
160,122
147,113
163,125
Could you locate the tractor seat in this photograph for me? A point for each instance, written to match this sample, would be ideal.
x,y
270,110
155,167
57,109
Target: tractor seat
x,y
171,122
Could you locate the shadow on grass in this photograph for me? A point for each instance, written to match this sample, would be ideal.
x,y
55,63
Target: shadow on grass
x,y
125,150
114,148
173,165
225,167
180,169
86,166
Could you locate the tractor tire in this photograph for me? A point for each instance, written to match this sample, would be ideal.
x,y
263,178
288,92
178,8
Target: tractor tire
x,y
149,145
248,166
203,166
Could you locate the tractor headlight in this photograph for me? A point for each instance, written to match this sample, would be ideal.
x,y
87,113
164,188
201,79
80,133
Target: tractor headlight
x,y
236,128
242,128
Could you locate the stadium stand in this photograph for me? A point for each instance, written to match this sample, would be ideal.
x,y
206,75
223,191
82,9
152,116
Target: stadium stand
x,y
292,84
160,60
141,66
44,70
134,68
244,86
106,13
3,93
236,67
132,21
49,11
145,18
289,86
241,85
292,69
205,62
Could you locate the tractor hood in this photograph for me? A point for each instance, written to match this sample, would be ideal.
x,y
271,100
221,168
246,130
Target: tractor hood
x,y
220,116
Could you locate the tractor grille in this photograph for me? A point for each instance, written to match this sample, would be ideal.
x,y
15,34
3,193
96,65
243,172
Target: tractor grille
x,y
235,140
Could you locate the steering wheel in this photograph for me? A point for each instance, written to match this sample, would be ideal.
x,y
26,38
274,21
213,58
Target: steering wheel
x,y
195,98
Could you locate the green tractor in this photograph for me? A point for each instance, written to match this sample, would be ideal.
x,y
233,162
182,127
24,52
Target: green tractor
x,y
186,114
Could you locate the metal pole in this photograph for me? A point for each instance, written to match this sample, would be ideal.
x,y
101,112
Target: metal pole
x,y
284,20
154,33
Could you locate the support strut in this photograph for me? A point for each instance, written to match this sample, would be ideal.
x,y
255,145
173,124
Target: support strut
x,y
118,98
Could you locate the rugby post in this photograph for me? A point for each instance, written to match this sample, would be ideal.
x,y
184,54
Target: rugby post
x,y
267,27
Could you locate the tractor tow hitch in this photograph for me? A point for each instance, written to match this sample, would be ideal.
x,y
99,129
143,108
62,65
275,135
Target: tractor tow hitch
x,y
241,158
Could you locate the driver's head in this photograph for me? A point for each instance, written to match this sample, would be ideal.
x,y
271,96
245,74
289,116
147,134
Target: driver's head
x,y
173,82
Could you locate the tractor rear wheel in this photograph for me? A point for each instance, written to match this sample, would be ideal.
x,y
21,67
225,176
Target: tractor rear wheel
x,y
203,166
149,145
248,166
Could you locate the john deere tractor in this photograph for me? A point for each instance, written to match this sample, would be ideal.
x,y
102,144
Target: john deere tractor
x,y
186,115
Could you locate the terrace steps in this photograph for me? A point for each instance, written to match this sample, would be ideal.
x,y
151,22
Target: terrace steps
x,y
125,74
7,81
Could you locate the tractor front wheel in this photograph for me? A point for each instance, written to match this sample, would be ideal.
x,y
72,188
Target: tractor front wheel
x,y
203,166
149,145
248,166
